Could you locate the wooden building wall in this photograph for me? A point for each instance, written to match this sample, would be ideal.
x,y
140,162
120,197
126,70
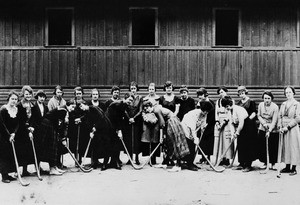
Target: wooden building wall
x,y
269,55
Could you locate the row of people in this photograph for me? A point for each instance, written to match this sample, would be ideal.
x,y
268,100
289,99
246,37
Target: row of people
x,y
127,119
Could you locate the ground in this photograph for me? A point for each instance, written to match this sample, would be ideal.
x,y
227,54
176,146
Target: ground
x,y
155,186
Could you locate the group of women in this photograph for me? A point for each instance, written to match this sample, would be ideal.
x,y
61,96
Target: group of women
x,y
176,123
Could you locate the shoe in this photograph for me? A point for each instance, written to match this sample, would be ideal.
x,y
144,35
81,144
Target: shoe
x,y
44,172
247,169
59,170
104,167
293,172
285,170
226,162
239,167
137,162
153,160
53,171
6,181
5,178
27,174
11,178
128,163
192,168
264,166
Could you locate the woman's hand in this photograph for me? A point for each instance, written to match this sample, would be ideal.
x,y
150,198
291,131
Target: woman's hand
x,y
12,137
131,121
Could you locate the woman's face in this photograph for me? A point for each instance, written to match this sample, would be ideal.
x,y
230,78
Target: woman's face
x,y
115,94
242,94
58,93
27,95
151,90
222,93
78,94
12,101
95,95
267,99
169,89
133,89
228,107
289,93
201,97
184,95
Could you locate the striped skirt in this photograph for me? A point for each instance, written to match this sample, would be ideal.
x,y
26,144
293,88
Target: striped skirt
x,y
176,143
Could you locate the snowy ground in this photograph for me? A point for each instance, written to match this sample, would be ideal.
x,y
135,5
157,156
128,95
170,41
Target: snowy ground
x,y
155,186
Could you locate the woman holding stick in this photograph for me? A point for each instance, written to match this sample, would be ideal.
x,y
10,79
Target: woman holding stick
x,y
289,117
268,115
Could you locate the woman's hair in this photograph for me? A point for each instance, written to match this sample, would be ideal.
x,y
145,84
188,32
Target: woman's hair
x,y
58,87
227,100
269,93
114,88
292,88
152,84
133,83
78,88
202,91
95,89
222,88
26,88
12,92
147,103
206,106
168,84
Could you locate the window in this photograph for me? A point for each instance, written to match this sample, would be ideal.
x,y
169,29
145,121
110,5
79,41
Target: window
x,y
59,30
226,27
143,26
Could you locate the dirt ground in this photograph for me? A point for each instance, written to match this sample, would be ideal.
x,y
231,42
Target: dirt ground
x,y
155,186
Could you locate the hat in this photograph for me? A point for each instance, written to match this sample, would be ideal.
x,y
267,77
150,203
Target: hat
x,y
40,93
242,88
183,88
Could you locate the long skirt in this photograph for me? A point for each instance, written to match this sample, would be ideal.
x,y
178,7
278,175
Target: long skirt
x,y
273,146
291,145
7,163
132,136
150,139
247,143
176,143
207,141
78,140
47,143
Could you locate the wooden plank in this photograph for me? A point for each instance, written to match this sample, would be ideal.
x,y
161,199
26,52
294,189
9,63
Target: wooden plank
x,y
24,67
31,68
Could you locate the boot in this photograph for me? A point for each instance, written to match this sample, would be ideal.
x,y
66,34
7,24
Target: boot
x,y
5,178
287,169
104,166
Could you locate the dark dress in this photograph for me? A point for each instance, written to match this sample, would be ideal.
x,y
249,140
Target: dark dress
x,y
101,143
132,132
116,113
50,134
208,138
74,128
23,144
171,105
185,106
247,142
8,125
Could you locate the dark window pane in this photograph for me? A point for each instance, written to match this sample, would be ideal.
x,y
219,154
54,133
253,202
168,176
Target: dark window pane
x,y
60,27
227,23
143,27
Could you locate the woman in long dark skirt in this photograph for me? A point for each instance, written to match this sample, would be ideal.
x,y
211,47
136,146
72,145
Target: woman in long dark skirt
x,y
239,118
208,138
268,116
133,123
9,130
250,107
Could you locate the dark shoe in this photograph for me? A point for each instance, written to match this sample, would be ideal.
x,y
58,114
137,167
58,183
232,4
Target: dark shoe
x,y
120,162
44,172
5,180
137,162
293,172
104,167
285,170
128,163
27,174
192,168
226,162
11,178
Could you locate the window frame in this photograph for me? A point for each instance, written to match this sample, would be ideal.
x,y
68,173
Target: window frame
x,y
156,44
239,27
47,27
